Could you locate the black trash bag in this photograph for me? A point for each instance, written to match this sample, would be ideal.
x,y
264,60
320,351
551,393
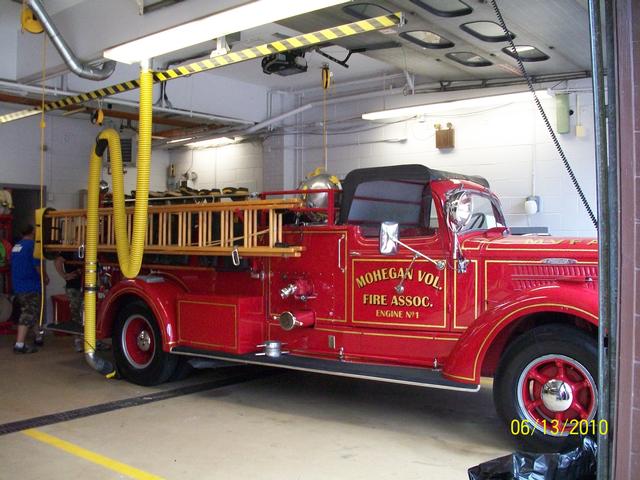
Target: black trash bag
x,y
577,464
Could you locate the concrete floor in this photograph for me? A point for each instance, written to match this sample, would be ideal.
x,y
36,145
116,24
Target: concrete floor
x,y
287,426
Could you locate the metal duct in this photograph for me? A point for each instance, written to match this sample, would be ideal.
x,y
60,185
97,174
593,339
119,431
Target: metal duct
x,y
81,69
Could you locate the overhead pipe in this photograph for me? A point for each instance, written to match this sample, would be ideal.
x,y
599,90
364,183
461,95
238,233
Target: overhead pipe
x,y
277,118
270,121
359,83
125,103
419,89
83,70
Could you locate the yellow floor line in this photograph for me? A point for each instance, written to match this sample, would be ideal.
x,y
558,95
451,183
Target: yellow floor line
x,y
89,455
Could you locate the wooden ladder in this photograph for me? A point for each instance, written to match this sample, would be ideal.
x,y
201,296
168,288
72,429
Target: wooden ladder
x,y
252,227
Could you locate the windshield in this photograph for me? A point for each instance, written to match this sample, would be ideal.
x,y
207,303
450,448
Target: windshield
x,y
485,213
406,202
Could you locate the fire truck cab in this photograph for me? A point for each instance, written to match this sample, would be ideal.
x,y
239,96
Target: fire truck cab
x,y
406,275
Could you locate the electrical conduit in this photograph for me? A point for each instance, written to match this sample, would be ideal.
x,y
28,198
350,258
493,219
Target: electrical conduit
x,y
129,256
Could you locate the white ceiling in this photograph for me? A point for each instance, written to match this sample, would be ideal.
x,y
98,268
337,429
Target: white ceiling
x,y
560,29
90,26
56,6
360,66
563,34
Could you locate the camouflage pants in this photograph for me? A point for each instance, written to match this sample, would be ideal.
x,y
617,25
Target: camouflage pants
x,y
29,308
75,304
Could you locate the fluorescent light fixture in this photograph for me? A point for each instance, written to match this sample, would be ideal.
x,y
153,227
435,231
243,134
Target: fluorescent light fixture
x,y
212,142
450,107
178,140
524,48
238,19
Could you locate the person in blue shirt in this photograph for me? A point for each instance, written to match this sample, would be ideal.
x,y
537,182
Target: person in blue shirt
x,y
25,277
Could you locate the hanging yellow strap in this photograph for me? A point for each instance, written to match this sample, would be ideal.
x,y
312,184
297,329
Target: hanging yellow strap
x,y
326,77
326,82
43,125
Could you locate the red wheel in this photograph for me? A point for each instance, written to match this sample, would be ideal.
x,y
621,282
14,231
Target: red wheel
x,y
546,381
137,347
138,344
556,390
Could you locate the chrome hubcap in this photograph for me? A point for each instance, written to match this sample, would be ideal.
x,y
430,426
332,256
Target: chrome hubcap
x,y
556,388
143,340
557,395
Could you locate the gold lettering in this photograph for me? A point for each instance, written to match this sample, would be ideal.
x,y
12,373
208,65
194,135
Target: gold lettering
x,y
377,276
411,301
429,279
371,299
393,273
390,313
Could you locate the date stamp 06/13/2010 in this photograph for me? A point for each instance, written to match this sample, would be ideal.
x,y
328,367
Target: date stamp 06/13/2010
x,y
559,427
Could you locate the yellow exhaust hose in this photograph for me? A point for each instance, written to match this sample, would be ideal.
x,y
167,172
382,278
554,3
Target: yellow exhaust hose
x,y
129,257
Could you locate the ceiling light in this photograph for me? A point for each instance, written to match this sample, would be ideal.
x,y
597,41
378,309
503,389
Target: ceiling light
x,y
212,142
254,14
448,107
178,140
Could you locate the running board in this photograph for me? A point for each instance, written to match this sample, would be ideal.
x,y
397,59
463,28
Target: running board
x,y
72,328
420,377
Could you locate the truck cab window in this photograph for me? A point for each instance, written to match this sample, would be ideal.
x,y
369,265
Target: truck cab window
x,y
484,215
402,201
433,216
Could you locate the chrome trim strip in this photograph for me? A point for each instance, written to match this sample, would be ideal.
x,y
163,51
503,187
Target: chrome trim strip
x,y
326,372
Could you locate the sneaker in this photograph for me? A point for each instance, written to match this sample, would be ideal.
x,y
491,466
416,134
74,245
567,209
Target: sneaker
x,y
24,349
78,344
39,341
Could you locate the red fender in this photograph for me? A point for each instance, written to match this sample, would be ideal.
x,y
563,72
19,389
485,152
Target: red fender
x,y
465,361
159,293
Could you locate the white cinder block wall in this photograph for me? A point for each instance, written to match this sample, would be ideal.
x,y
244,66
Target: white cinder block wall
x,y
69,142
508,145
157,179
238,165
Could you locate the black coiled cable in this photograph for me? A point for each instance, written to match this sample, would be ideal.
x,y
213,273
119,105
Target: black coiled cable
x,y
567,166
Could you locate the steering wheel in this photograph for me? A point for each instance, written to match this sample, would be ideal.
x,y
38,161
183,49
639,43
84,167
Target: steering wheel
x,y
477,220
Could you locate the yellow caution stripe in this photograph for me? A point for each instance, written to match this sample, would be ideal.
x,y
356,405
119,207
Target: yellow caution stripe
x,y
114,465
284,45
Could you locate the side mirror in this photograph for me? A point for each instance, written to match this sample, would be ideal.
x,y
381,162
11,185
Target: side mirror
x,y
458,210
389,238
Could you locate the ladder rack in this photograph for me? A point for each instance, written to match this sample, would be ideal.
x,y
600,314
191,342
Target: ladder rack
x,y
252,227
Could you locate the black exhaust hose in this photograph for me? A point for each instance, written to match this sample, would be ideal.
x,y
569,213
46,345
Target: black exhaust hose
x,y
556,142
102,366
101,146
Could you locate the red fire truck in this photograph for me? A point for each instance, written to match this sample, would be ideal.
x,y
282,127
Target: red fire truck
x,y
407,275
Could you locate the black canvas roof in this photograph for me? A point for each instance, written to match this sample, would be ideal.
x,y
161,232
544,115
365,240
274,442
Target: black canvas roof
x,y
414,172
